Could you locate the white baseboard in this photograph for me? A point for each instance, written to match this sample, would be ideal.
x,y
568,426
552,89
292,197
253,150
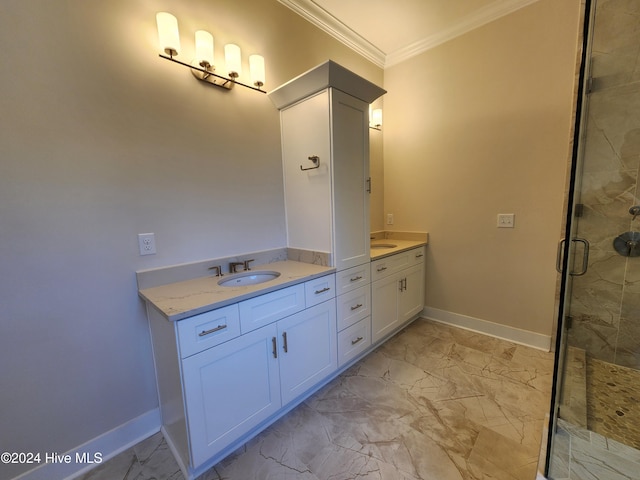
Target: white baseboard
x,y
505,332
97,450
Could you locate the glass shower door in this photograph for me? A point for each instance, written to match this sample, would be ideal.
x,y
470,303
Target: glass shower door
x,y
598,339
568,400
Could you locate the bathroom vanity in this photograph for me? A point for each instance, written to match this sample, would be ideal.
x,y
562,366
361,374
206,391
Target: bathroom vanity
x,y
231,360
225,373
234,353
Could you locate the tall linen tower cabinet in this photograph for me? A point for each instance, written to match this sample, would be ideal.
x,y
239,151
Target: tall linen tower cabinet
x,y
324,116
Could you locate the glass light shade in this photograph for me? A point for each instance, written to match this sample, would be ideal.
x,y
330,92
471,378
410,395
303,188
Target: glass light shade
x,y
168,34
233,60
376,117
256,67
204,48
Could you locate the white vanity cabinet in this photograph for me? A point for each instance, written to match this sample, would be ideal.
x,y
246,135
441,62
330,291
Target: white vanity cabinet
x,y
225,374
229,390
232,388
397,291
324,116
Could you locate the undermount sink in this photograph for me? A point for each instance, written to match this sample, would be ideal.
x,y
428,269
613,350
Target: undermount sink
x,y
383,245
248,278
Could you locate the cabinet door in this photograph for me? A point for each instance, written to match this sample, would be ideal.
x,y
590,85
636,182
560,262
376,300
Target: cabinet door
x,y
411,298
229,389
305,133
307,346
350,152
384,307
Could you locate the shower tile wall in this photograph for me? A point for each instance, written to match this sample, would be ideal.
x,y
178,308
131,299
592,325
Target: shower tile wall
x,y
606,300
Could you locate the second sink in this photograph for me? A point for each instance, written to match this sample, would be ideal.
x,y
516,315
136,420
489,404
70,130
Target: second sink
x,y
248,278
383,245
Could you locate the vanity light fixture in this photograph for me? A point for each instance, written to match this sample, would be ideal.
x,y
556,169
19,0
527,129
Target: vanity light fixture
x,y
375,119
203,66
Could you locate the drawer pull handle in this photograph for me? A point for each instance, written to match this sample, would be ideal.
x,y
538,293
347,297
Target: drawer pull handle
x,y
355,307
355,279
285,347
381,269
204,333
325,289
275,348
420,255
359,339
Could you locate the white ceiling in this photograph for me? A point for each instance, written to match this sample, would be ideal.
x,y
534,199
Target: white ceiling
x,y
390,31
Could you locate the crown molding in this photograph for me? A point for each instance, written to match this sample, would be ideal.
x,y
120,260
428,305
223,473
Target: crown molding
x,y
334,27
479,18
338,30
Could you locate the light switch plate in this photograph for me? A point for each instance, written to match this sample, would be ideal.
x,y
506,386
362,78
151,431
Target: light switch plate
x,y
506,220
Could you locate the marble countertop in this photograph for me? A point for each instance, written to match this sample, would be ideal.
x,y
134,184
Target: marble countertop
x,y
191,297
400,246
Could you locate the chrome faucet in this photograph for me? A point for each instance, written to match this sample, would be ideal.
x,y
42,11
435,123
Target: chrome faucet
x,y
234,265
246,264
218,270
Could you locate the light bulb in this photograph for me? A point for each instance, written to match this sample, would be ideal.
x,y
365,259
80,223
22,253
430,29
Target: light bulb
x,y
204,49
256,67
376,117
233,60
168,34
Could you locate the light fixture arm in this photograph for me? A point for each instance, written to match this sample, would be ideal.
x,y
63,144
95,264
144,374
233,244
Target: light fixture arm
x,y
217,80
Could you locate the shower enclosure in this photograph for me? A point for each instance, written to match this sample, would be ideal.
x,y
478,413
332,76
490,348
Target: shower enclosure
x,y
595,426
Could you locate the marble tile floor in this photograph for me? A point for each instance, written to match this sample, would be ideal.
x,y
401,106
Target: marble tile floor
x,y
435,403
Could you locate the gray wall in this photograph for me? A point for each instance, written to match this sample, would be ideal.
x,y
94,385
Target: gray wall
x,y
101,140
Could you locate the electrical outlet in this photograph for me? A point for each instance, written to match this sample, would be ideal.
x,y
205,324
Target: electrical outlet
x,y
389,218
147,243
506,220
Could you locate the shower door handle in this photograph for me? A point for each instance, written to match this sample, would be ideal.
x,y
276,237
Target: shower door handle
x,y
585,256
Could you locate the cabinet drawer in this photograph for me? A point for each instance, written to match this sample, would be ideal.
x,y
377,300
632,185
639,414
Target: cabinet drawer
x,y
417,256
259,311
353,306
200,332
389,265
394,263
352,278
354,340
319,290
